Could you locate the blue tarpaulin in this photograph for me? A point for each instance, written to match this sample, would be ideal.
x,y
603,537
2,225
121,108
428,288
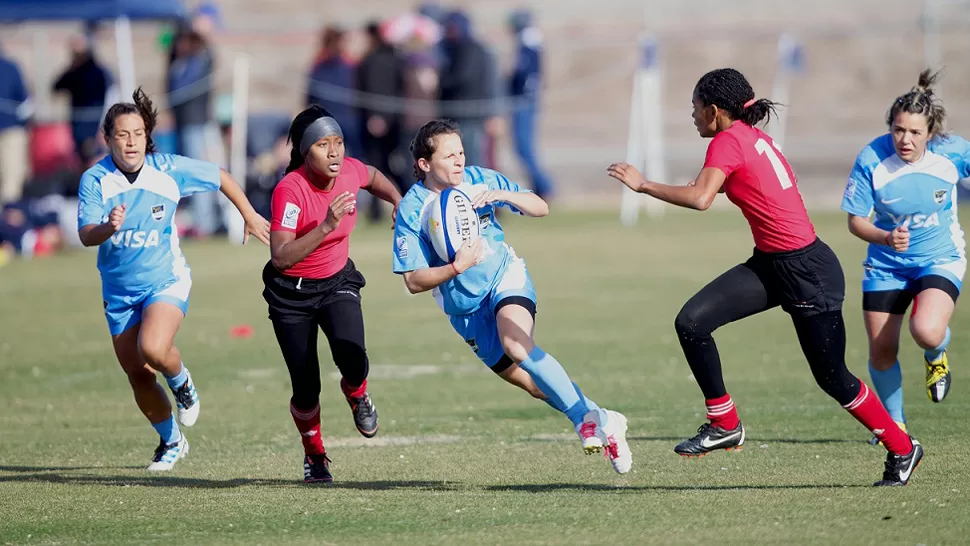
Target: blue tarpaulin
x,y
89,10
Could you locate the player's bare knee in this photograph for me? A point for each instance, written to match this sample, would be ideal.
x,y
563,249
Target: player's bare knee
x,y
154,350
516,349
927,333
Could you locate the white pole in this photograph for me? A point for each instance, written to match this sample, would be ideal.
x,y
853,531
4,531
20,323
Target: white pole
x,y
780,90
126,57
645,137
651,113
42,89
630,205
237,153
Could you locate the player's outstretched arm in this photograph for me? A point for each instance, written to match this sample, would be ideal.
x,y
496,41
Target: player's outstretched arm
x,y
382,188
429,278
698,195
256,225
95,234
526,202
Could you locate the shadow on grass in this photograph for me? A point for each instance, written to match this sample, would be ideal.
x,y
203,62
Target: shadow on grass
x,y
752,441
556,487
8,468
39,475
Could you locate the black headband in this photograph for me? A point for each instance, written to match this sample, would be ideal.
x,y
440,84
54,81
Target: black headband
x,y
321,128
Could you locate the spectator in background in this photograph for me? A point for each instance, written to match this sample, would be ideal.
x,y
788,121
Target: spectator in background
x,y
524,88
435,12
420,81
379,78
87,82
333,79
190,85
469,75
29,229
15,111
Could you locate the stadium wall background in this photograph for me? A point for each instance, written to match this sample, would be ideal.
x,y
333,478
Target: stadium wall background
x,y
859,55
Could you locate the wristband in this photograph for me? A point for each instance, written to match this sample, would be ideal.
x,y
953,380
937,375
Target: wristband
x,y
453,266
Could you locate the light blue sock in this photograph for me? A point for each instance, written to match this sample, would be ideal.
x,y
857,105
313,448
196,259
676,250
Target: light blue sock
x,y
933,354
553,381
889,387
590,405
179,379
168,430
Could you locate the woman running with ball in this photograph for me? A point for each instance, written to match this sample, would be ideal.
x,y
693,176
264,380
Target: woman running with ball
x,y
486,291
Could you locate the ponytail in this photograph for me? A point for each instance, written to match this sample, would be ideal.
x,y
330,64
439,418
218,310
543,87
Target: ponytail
x,y
730,91
921,99
761,109
296,160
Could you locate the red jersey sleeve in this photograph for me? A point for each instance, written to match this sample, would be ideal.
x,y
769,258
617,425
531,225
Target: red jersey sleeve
x,y
724,153
286,208
360,171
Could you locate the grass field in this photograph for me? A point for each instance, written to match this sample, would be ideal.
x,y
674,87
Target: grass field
x,y
461,456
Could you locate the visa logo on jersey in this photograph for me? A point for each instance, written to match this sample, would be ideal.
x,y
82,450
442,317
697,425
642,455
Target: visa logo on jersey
x,y
136,239
916,220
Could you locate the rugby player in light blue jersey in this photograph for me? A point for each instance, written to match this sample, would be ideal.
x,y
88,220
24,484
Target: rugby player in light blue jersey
x,y
126,205
906,181
486,291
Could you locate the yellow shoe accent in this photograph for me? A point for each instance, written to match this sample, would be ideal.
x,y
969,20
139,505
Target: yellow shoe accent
x,y
937,378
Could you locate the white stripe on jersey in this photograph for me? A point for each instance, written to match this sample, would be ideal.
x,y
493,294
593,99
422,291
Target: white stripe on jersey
x,y
149,179
956,232
180,268
932,164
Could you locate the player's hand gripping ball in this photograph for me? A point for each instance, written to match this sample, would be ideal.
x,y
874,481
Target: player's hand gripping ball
x,y
452,221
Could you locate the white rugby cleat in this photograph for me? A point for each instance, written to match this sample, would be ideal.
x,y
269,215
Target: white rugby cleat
x,y
611,429
166,455
589,434
187,401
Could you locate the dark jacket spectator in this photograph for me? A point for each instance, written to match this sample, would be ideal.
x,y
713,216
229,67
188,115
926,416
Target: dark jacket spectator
x,y
469,74
332,81
380,79
87,82
525,85
190,80
15,111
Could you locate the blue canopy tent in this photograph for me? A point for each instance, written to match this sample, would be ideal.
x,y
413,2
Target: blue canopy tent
x,y
122,12
89,10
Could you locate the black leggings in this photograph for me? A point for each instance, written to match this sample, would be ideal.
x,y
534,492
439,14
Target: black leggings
x,y
333,305
808,284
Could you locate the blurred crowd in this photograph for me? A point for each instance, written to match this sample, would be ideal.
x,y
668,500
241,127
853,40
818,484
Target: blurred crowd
x,y
415,66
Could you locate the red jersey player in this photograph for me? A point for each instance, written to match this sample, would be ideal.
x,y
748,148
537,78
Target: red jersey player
x,y
790,267
311,282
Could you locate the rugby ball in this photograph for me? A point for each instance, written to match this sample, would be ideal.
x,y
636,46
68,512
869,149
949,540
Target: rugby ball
x,y
451,221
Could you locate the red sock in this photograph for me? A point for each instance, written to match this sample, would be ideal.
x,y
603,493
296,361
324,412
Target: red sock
x,y
868,410
351,391
722,413
308,423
